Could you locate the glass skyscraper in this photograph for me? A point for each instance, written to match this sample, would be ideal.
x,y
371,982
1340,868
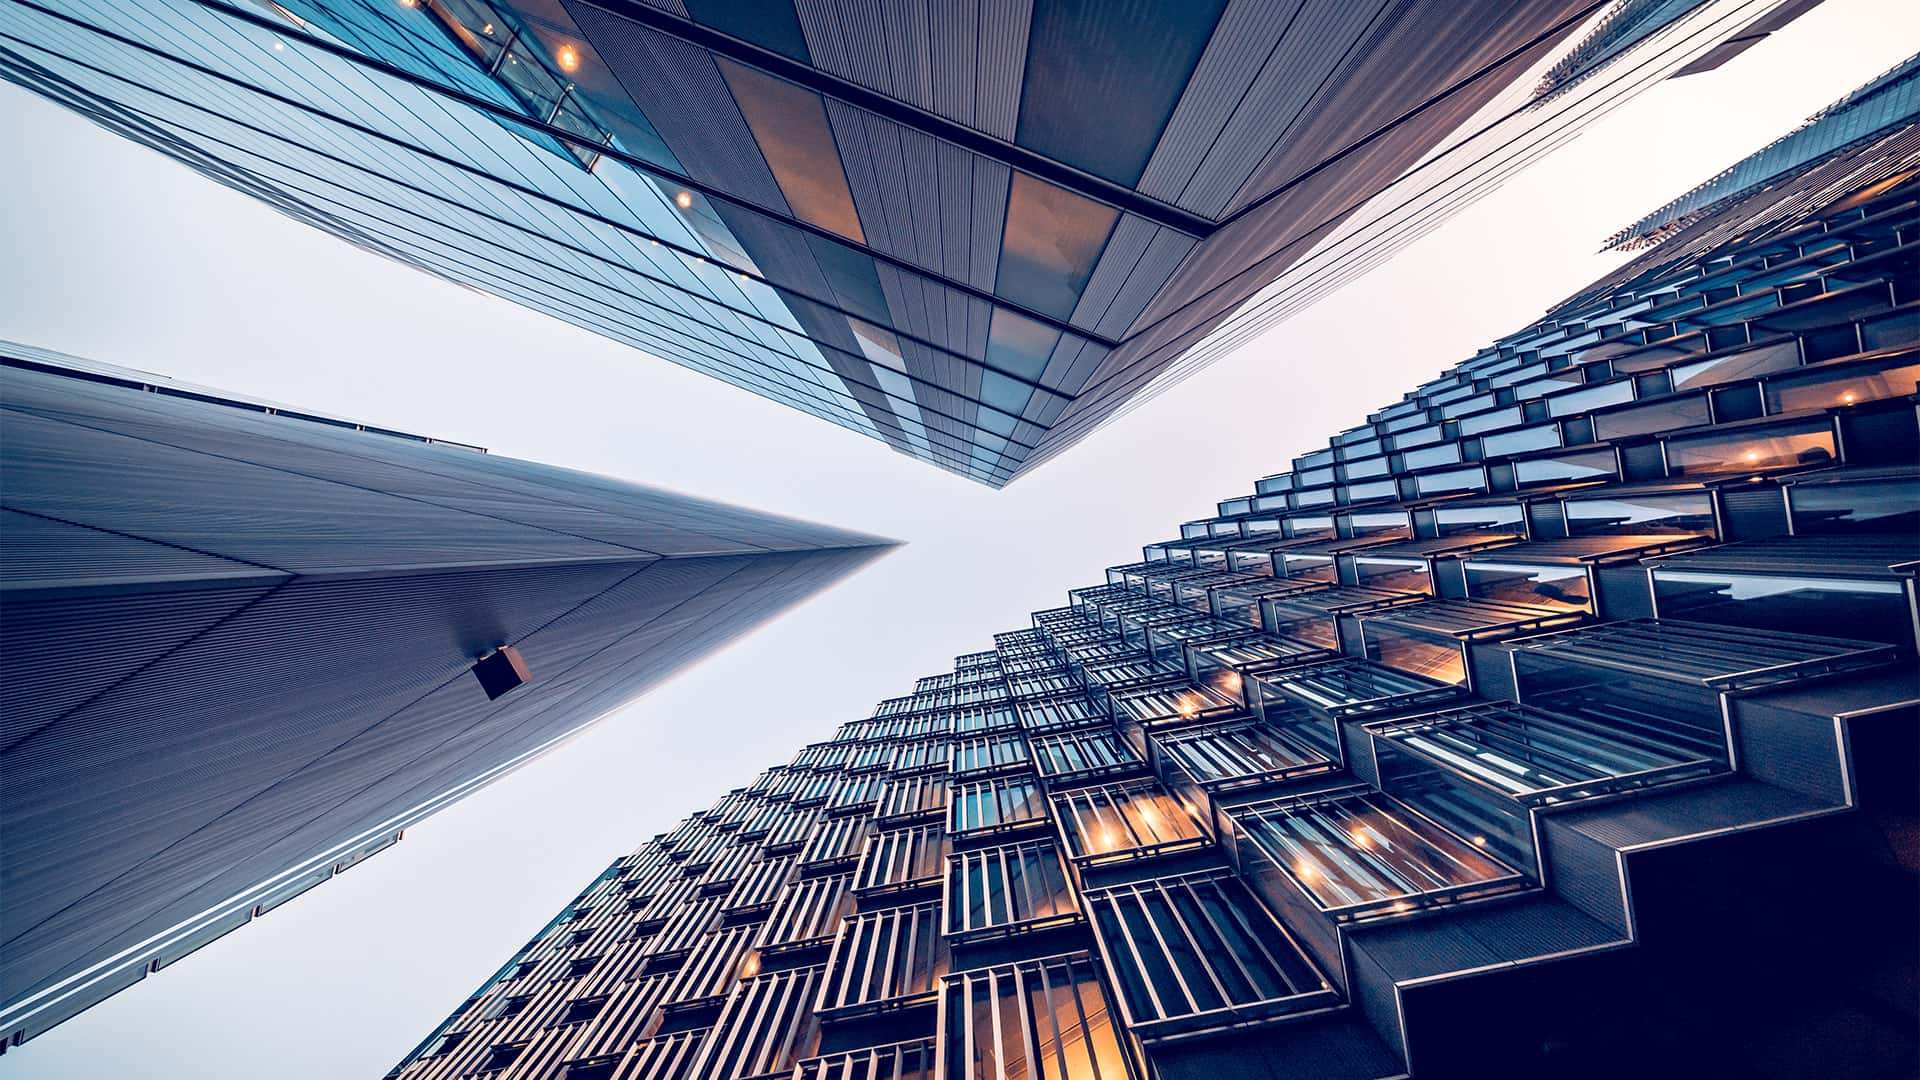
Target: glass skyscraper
x,y
974,230
245,646
1558,720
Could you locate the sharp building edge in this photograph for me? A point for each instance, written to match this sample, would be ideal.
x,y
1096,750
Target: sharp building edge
x,y
238,649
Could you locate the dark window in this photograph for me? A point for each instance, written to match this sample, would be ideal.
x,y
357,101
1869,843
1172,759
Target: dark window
x,y
770,24
579,1012
1102,79
502,1056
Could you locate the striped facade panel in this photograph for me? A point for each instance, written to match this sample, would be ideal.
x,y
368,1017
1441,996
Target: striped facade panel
x,y
766,1027
983,718
1199,952
730,864
856,792
1050,1016
921,754
807,913
790,831
917,1060
887,958
836,840
685,927
901,859
1080,754
989,753
715,964
1001,889
627,1015
759,886
663,1057
1117,821
908,797
1055,713
988,806
1221,756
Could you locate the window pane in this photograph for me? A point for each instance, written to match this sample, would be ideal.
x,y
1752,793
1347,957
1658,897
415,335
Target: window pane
x,y
790,125
1128,62
1052,240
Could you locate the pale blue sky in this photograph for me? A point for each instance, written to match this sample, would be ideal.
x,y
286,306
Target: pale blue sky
x,y
115,253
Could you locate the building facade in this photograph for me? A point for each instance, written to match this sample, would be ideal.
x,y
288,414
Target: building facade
x,y
973,230
1558,720
245,646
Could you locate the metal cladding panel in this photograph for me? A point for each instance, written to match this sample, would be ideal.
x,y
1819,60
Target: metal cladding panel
x,y
213,504
682,93
572,505
174,745
1240,48
55,654
39,554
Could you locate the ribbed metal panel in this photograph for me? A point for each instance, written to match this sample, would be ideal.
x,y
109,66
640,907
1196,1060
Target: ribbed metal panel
x,y
807,913
1240,48
767,1026
887,958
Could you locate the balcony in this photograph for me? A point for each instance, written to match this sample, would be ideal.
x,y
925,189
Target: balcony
x,y
1012,889
1050,1016
1357,854
1665,680
1485,768
1435,639
1199,953
1122,822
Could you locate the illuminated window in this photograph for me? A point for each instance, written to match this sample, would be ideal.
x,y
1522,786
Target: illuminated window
x,y
999,889
1127,820
1198,952
891,957
1049,1018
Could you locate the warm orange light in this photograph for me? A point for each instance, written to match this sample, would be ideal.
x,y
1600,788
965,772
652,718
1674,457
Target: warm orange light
x,y
750,967
1751,455
1479,841
684,200
569,59
1361,838
1402,906
1849,398
487,29
1304,870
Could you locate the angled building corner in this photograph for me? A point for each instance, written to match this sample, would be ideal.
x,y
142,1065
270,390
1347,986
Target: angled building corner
x,y
975,233
243,646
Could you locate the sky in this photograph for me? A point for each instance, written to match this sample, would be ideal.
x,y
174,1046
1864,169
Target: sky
x,y
118,254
